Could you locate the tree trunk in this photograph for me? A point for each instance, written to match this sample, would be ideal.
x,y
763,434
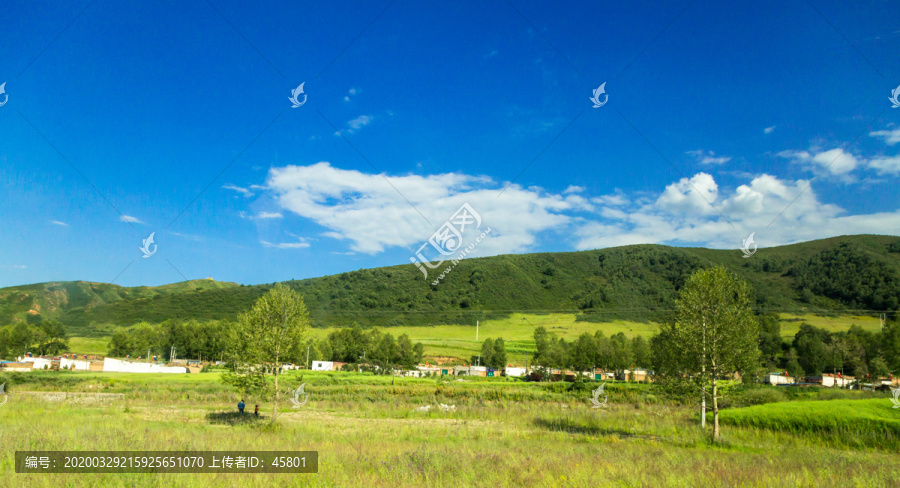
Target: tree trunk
x,y
703,409
715,400
703,379
275,406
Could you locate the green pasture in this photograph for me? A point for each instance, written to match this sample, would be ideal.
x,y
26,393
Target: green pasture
x,y
368,432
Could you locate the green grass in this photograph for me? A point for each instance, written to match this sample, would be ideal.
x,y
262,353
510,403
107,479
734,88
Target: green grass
x,y
864,422
504,433
790,323
89,345
517,330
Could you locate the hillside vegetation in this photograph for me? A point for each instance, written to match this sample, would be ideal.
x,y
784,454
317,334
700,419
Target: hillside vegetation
x,y
638,283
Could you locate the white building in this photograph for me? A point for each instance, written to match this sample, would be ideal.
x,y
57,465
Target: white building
x,y
39,363
779,379
111,365
65,363
516,371
322,365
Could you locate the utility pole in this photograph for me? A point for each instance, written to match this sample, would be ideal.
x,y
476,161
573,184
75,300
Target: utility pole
x,y
477,323
307,357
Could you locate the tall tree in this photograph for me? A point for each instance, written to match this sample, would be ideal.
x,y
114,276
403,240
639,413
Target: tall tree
x,y
713,335
261,340
542,341
809,342
641,352
770,343
56,334
584,353
487,352
498,358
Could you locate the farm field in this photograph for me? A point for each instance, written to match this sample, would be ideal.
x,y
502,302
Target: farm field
x,y
368,433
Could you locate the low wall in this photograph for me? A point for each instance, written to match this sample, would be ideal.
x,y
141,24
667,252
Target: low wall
x,y
111,365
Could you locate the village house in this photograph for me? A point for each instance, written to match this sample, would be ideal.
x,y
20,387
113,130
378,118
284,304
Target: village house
x,y
16,367
327,365
779,379
41,362
832,380
516,371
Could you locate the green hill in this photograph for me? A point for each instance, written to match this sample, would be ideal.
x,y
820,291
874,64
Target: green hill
x,y
859,273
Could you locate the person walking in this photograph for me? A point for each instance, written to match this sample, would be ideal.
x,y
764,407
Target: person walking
x,y
256,410
241,406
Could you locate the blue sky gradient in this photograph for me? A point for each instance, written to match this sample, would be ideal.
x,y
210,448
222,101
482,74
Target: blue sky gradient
x,y
173,117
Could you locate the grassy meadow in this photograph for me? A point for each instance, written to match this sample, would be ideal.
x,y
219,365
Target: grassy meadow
x,y
504,432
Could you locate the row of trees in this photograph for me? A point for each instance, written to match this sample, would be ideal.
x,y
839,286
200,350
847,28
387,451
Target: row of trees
x,y
616,352
355,345
48,337
855,352
191,339
493,354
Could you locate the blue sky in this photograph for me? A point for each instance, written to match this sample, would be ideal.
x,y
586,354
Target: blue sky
x,y
173,118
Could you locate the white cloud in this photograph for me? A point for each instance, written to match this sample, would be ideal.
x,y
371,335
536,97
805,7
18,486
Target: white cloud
x,y
366,211
837,161
769,130
373,211
130,219
57,222
359,122
614,200
356,124
269,215
676,217
692,196
708,157
13,266
890,137
350,93
244,191
573,189
286,245
886,165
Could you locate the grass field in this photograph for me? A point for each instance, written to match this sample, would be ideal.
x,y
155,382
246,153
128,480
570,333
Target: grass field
x,y
790,323
368,433
518,331
870,422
